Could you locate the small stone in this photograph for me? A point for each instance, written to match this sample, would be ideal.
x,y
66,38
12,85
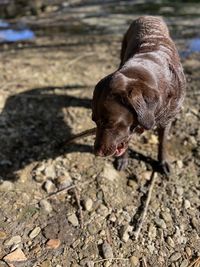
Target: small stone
x,y
153,140
187,204
179,190
184,263
45,205
90,263
15,256
92,229
110,173
46,263
180,164
170,242
166,216
35,232
126,229
40,178
134,261
73,219
175,256
6,186
53,244
188,251
88,203
13,241
50,172
152,231
107,250
3,235
103,210
64,181
133,184
49,186
146,175
161,223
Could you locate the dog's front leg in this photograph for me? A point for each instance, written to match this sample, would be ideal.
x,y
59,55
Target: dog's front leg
x,y
162,150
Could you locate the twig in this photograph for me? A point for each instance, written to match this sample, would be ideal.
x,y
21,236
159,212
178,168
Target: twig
x,y
111,259
195,263
77,196
144,212
144,262
79,58
59,191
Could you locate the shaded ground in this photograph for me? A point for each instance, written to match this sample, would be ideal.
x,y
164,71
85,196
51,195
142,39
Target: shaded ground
x,y
46,88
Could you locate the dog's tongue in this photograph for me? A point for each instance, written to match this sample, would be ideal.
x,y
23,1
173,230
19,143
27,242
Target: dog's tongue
x,y
120,151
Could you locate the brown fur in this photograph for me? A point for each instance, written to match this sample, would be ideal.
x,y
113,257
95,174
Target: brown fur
x,y
147,89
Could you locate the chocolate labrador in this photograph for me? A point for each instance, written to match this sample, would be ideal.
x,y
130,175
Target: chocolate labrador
x,y
146,90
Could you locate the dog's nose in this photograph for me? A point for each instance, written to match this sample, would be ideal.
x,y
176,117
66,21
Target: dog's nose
x,y
98,151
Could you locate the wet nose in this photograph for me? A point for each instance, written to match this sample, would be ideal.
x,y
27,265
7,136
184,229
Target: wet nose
x,y
98,151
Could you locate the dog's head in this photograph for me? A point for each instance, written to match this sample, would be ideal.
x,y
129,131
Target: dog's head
x,y
119,106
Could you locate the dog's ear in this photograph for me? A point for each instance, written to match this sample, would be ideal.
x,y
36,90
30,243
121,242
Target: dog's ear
x,y
144,100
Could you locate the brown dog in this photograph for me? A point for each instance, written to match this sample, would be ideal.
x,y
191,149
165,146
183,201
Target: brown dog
x,y
147,90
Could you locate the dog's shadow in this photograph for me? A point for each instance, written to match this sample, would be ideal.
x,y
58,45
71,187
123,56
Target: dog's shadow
x,y
33,124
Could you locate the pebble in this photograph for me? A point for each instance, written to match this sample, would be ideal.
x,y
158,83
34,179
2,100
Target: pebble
x,y
161,223
64,181
6,186
126,229
188,251
146,175
166,216
103,210
40,178
107,250
184,263
110,173
15,256
90,263
2,235
153,140
133,184
88,204
46,263
152,231
179,190
73,219
13,241
49,187
35,232
175,256
45,205
187,204
170,242
180,164
53,244
134,261
50,172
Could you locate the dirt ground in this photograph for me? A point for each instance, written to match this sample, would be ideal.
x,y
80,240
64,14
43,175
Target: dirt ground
x,y
64,207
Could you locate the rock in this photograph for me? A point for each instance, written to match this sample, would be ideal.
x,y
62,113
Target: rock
x,y
160,223
175,256
126,229
103,210
180,164
6,186
188,251
152,231
153,140
90,263
35,232
15,256
92,229
3,235
134,261
88,203
40,178
170,242
50,172
179,190
73,219
184,263
107,250
45,205
187,204
64,181
166,216
46,263
3,264
13,241
146,175
53,244
49,187
133,184
110,173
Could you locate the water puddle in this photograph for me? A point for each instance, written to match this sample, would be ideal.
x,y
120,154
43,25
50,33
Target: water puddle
x,y
14,33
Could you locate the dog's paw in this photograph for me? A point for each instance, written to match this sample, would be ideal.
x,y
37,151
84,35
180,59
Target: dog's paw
x,y
165,168
121,163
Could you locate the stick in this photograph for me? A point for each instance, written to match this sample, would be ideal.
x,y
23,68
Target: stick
x,y
77,196
195,263
111,259
143,215
60,191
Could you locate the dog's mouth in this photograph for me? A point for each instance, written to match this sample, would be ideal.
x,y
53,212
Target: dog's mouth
x,y
120,149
